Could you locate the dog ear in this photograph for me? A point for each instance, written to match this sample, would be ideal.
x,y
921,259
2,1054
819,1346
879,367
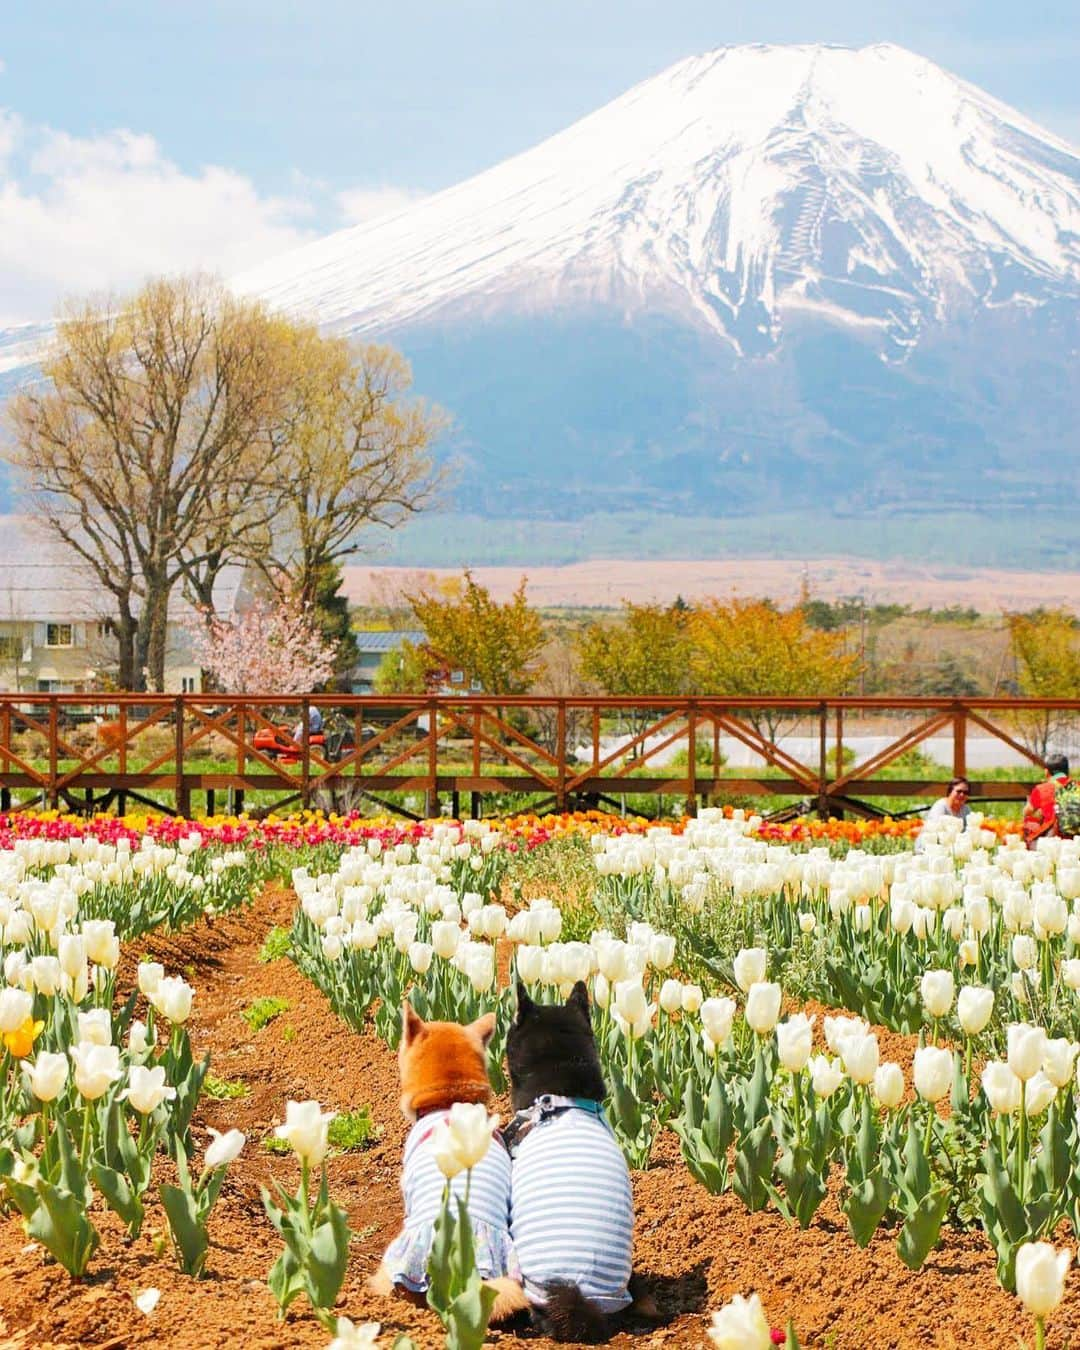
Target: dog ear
x,y
579,999
412,1024
525,1005
483,1028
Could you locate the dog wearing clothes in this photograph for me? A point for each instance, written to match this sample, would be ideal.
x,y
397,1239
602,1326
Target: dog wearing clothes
x,y
442,1063
572,1214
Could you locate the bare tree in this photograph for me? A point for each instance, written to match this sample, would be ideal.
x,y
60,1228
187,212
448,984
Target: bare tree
x,y
153,416
352,452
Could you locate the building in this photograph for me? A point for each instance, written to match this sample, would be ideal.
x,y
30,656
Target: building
x,y
372,648
55,636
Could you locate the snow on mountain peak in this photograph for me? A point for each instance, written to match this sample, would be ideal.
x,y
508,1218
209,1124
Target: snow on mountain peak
x,y
740,186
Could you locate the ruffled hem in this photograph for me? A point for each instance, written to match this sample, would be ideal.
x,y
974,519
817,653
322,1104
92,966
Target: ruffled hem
x,y
407,1256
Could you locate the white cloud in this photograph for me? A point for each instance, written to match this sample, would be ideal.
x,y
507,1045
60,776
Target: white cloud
x,y
362,204
103,213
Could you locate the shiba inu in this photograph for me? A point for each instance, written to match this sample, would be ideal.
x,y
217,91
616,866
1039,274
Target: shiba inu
x,y
442,1063
571,1210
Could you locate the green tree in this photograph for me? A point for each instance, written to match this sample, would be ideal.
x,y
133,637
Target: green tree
x,y
750,647
495,644
404,671
645,651
1046,654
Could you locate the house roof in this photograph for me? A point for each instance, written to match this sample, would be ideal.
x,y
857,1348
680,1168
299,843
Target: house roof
x,y
42,582
388,640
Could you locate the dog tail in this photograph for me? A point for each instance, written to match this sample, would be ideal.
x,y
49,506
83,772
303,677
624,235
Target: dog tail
x,y
568,1315
509,1298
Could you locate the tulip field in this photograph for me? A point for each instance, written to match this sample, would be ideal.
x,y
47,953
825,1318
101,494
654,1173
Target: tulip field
x,y
843,1069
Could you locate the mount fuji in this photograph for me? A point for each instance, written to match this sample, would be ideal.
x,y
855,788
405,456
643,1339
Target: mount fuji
x,y
768,278
815,280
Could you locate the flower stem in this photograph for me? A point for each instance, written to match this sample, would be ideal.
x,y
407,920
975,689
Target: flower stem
x,y
1022,1145
1040,1333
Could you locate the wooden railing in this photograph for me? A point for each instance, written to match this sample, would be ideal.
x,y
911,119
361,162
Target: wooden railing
x,y
89,752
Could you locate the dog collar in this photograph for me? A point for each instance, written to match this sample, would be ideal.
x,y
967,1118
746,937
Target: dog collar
x,y
546,1106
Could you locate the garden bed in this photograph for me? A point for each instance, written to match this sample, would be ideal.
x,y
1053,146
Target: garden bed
x,y
696,1249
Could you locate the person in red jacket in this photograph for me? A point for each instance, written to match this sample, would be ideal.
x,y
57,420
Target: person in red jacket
x,y
1040,813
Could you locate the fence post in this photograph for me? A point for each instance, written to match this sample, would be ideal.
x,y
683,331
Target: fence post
x,y
560,754
54,752
5,746
431,796
691,759
183,796
959,752
305,758
823,764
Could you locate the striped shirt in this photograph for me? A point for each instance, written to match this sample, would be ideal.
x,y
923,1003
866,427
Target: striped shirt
x,y
422,1183
572,1209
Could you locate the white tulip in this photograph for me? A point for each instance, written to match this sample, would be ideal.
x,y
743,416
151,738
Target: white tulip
x,y
968,953
102,944
47,1076
137,1038
351,1335
47,974
825,1076
671,996
601,990
306,1130
1025,953
1038,1094
794,1041
717,1017
1001,1087
837,1029
1026,1049
16,1007
463,1137
1059,1060
974,1008
224,1148
937,990
147,1089
1040,1276
420,957
1070,973
860,1056
95,1027
750,965
661,951
96,1068
889,1085
691,998
763,1006
807,922
172,999
71,952
741,1325
932,1073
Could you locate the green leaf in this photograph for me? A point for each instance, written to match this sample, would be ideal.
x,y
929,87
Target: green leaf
x,y
60,1224
440,1264
120,1196
188,1232
865,1206
805,1188
753,1166
327,1257
468,1316
919,1235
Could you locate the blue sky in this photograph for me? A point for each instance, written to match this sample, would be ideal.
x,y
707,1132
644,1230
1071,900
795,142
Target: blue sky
x,y
137,137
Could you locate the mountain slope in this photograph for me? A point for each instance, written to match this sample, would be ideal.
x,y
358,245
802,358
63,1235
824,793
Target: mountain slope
x,y
866,186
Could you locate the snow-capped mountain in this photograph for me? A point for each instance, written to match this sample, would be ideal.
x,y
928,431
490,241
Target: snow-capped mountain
x,y
735,190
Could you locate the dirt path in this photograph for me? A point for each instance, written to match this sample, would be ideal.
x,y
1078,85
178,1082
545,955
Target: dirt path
x,y
697,1249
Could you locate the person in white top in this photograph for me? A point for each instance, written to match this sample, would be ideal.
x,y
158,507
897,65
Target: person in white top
x,y
954,806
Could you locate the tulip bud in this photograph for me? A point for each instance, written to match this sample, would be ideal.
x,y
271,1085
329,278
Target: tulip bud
x,y
1040,1276
937,992
860,1056
691,998
224,1148
1026,1049
973,1008
794,1041
763,1006
1039,1092
1059,1059
750,965
1024,952
306,1130
825,1076
420,957
95,1027
47,1076
807,922
16,1006
717,1017
932,1073
889,1085
671,996
1001,1087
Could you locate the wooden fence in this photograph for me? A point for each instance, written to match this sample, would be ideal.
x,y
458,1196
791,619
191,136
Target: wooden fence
x,y
90,752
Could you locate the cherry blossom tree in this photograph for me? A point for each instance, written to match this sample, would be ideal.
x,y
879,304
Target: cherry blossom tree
x,y
274,647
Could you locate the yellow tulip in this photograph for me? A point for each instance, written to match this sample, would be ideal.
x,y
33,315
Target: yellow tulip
x,y
20,1042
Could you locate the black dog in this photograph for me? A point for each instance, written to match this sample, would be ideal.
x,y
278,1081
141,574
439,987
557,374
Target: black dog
x,y
572,1210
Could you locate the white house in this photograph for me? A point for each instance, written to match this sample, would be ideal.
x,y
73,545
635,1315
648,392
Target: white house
x,y
54,621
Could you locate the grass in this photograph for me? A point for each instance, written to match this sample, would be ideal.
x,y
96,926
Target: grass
x,y
277,944
352,1130
273,1144
263,1011
224,1089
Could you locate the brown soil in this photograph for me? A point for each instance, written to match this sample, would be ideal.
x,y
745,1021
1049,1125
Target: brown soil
x,y
697,1250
